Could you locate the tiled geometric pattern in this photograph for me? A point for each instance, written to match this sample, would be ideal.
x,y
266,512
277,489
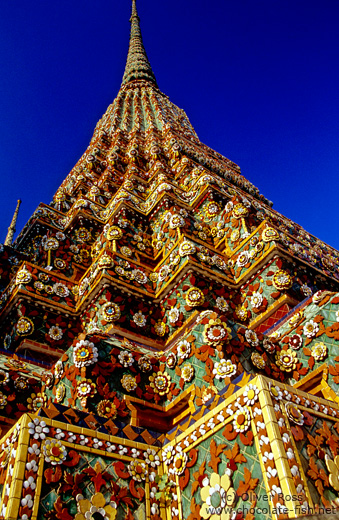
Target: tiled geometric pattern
x,y
152,319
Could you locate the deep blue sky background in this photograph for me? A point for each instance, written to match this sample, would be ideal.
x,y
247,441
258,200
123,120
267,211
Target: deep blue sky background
x,y
258,80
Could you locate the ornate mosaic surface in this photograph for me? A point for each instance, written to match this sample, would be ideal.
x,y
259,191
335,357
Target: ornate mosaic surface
x,y
169,342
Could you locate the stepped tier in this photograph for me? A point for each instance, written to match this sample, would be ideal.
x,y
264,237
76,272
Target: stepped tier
x,y
169,340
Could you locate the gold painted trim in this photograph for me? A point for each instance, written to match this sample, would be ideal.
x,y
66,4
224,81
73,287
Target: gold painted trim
x,y
277,447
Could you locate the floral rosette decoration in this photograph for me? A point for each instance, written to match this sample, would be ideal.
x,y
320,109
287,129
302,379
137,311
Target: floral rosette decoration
x,y
269,234
55,333
295,341
176,221
114,233
269,346
168,454
218,497
282,280
180,460
239,211
4,377
58,369
275,392
54,451
319,351
153,277
171,360
311,328
258,361
111,311
160,382
82,235
85,354
217,330
60,392
187,372
235,235
144,363
139,319
250,394
183,349
137,470
286,360
23,276
96,507
36,401
152,458
59,263
61,290
105,261
194,297
252,337
24,326
160,328
50,243
333,469
242,420
211,209
222,304
294,414
242,259
38,429
241,312
107,409
126,358
224,368
128,382
3,401
86,388
173,315
259,247
186,248
256,300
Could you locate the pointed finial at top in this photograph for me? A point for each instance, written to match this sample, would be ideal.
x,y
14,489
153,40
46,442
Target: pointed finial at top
x,y
134,9
11,229
137,64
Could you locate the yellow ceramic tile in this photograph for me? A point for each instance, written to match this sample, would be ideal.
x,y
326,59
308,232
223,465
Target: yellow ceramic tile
x,y
288,491
269,414
27,418
24,438
283,468
19,470
21,453
265,396
70,445
272,430
278,449
58,424
261,382
75,429
12,512
16,489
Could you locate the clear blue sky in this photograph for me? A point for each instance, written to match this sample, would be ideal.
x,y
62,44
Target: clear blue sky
x,y
258,80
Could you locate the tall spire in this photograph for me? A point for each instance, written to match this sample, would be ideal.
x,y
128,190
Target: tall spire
x,y
11,229
137,65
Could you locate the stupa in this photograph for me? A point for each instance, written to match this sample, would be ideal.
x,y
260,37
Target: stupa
x,y
169,342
